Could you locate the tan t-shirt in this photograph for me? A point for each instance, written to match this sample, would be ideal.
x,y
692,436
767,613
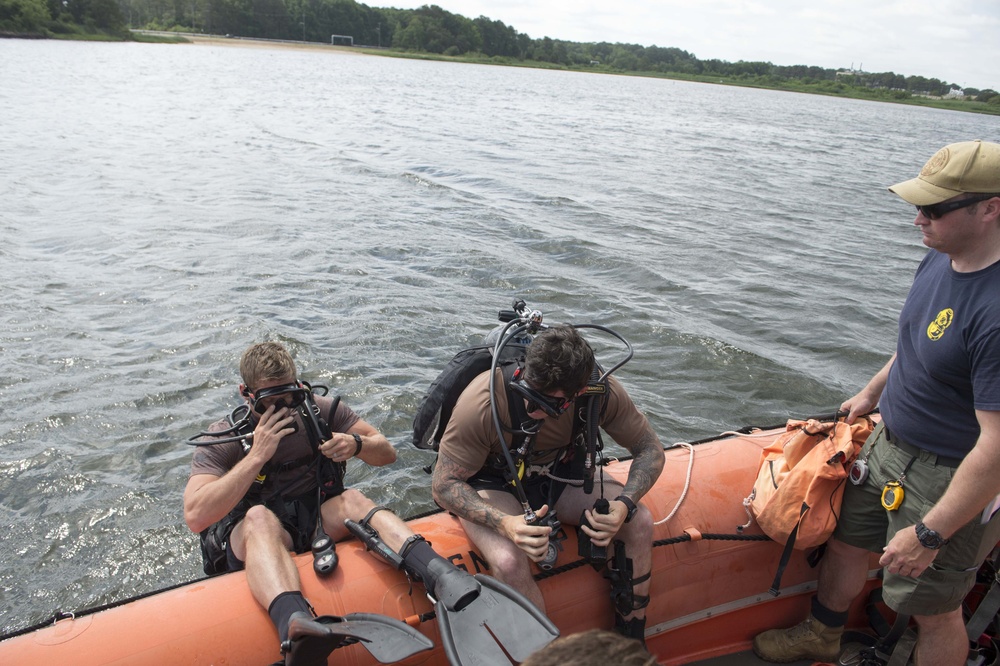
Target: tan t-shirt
x,y
217,459
470,437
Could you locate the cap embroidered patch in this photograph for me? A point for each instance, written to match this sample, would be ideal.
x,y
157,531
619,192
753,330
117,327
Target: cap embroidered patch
x,y
936,163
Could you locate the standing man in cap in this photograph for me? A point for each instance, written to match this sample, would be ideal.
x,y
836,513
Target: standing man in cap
x,y
926,500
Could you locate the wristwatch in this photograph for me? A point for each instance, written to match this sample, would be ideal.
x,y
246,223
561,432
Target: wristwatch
x,y
357,440
929,538
629,504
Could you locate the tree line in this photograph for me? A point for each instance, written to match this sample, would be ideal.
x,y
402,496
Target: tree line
x,y
431,29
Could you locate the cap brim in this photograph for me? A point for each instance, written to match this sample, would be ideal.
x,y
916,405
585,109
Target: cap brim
x,y
919,192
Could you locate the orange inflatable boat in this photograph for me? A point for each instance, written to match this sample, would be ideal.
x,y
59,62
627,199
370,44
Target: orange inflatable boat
x,y
709,594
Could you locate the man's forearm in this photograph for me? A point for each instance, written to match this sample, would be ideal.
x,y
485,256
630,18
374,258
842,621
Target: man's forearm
x,y
211,502
452,491
647,464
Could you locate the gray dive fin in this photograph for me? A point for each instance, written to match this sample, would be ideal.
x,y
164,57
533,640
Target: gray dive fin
x,y
387,639
501,627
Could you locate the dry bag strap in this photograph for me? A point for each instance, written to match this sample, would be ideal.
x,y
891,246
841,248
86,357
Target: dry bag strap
x,y
786,554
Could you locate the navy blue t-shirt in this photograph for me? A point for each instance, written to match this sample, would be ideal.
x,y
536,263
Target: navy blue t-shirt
x,y
947,358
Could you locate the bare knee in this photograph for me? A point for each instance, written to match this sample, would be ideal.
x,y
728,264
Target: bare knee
x,y
260,521
510,565
350,504
941,639
258,528
639,530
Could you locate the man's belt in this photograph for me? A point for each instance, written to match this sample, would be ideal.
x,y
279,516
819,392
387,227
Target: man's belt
x,y
938,459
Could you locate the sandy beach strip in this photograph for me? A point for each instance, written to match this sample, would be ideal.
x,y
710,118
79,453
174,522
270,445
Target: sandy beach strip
x,y
249,42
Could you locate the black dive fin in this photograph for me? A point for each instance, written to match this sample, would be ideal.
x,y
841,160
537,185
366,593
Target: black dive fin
x,y
387,639
500,627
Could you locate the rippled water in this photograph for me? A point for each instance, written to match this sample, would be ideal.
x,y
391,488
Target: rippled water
x,y
162,207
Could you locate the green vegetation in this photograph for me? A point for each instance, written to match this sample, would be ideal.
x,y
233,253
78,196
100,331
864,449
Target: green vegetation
x,y
74,19
984,101
432,32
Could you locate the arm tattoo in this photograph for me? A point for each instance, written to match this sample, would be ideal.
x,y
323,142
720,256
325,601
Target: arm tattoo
x,y
647,463
451,490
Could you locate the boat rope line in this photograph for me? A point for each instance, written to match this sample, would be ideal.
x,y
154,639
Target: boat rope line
x,y
687,482
569,566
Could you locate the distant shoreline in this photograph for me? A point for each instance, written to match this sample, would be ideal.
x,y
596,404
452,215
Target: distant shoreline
x,y
926,102
360,50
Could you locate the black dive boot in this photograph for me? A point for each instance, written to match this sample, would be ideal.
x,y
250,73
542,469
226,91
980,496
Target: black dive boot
x,y
451,586
305,640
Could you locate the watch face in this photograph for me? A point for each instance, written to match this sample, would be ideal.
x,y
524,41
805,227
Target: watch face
x,y
929,538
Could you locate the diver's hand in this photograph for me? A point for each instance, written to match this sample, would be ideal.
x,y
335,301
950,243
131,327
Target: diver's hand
x,y
904,555
532,539
868,397
858,405
272,427
604,526
340,447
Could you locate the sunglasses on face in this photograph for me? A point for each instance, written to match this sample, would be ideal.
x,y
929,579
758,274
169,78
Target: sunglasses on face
x,y
939,210
537,400
292,395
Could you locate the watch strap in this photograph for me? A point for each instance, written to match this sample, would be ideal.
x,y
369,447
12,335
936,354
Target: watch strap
x,y
357,440
928,538
629,504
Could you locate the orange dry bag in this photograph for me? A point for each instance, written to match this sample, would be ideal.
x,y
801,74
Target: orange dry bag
x,y
800,484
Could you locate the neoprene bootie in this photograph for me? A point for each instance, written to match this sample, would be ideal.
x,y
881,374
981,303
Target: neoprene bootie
x,y
451,586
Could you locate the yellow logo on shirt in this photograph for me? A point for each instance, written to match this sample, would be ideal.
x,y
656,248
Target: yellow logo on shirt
x,y
935,331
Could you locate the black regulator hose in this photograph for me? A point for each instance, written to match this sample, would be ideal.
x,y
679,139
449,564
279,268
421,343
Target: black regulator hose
x,y
502,341
324,550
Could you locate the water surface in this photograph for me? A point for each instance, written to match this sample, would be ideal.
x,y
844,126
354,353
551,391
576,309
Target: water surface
x,y
164,206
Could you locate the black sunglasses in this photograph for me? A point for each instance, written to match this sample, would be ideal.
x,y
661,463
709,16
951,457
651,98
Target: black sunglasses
x,y
936,211
549,404
296,396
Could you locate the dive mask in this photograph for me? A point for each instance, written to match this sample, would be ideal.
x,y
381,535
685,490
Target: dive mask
x,y
549,404
292,395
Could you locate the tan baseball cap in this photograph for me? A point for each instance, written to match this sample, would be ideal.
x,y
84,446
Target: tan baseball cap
x,y
969,166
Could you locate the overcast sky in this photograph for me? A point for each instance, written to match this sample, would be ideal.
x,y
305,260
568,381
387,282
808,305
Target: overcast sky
x,y
957,41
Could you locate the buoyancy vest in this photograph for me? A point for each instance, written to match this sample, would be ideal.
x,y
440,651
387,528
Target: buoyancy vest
x,y
331,474
297,514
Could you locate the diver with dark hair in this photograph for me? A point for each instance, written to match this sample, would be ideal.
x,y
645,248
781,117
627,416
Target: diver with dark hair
x,y
270,479
506,481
